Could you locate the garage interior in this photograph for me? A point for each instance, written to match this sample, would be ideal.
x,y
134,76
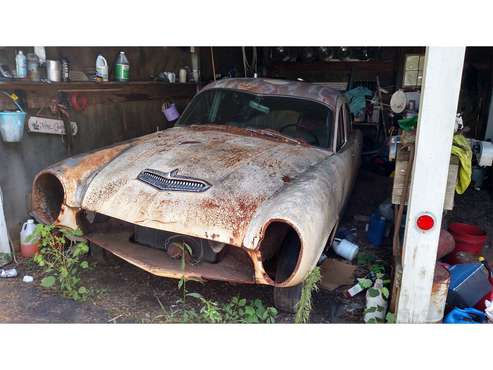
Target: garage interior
x,y
385,91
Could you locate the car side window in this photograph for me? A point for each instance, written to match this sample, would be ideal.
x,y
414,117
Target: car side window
x,y
341,136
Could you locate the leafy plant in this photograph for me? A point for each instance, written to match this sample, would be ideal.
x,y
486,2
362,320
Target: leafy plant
x,y
365,283
365,259
304,306
60,256
5,258
238,310
390,318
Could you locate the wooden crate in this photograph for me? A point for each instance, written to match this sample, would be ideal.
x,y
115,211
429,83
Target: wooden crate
x,y
401,167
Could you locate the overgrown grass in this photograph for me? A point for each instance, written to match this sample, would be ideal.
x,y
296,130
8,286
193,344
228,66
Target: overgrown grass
x,y
304,307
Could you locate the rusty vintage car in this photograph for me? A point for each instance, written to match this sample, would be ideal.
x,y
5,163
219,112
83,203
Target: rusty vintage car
x,y
252,179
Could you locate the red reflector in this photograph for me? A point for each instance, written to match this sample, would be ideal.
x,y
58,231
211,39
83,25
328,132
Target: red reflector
x,y
425,222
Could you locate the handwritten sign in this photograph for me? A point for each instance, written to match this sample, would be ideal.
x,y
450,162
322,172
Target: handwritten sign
x,y
51,126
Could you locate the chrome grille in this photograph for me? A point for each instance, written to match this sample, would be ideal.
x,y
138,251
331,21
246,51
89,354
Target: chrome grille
x,y
170,181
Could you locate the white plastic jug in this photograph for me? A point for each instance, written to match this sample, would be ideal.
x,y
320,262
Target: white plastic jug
x,y
345,249
101,68
29,247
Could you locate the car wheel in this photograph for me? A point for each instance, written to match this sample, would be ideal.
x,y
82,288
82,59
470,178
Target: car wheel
x,y
286,299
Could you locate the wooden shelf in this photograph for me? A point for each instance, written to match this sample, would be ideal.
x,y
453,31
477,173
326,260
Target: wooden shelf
x,y
37,93
92,86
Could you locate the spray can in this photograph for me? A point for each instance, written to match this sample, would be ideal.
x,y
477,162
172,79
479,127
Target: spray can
x,y
122,67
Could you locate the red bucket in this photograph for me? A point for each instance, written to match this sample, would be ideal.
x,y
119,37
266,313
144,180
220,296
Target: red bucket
x,y
468,238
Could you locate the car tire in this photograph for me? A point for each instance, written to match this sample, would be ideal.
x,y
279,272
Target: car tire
x,y
286,299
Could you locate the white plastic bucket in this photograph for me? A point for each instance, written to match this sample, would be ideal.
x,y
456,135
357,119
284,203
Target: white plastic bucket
x,y
12,126
345,249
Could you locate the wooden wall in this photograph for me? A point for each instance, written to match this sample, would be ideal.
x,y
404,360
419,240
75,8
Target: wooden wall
x,y
118,113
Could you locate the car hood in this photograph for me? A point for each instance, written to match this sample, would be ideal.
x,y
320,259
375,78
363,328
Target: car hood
x,y
243,167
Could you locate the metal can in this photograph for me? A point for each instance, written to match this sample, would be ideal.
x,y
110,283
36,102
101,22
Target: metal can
x,y
54,70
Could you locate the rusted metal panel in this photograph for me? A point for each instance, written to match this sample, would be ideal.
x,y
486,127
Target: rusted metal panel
x,y
234,266
265,86
439,292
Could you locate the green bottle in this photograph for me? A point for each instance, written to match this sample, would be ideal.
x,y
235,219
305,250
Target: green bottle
x,y
122,67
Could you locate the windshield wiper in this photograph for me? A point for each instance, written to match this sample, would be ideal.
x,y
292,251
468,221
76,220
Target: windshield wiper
x,y
274,133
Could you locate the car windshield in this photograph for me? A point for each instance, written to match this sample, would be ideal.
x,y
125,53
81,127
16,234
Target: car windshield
x,y
293,117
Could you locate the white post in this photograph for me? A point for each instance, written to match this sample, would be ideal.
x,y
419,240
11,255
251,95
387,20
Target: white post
x,y
4,237
438,107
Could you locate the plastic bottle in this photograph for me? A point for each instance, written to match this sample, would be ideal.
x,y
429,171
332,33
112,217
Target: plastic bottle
x,y
33,67
29,247
122,67
376,229
101,68
21,65
345,249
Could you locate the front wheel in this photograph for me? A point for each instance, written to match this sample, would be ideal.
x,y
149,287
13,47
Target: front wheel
x,y
286,299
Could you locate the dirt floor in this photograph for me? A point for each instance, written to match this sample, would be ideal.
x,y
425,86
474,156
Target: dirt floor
x,y
122,293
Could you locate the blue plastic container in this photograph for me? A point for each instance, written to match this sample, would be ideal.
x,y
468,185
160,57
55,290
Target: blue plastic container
x,y
376,229
12,123
12,126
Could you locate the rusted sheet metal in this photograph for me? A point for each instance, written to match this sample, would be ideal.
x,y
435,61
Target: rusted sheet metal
x,y
243,171
439,292
266,86
234,266
310,204
75,172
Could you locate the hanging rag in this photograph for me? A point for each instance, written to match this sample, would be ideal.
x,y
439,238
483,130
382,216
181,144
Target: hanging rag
x,y
462,149
357,99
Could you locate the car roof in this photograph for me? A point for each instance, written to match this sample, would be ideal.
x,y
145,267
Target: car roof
x,y
267,86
